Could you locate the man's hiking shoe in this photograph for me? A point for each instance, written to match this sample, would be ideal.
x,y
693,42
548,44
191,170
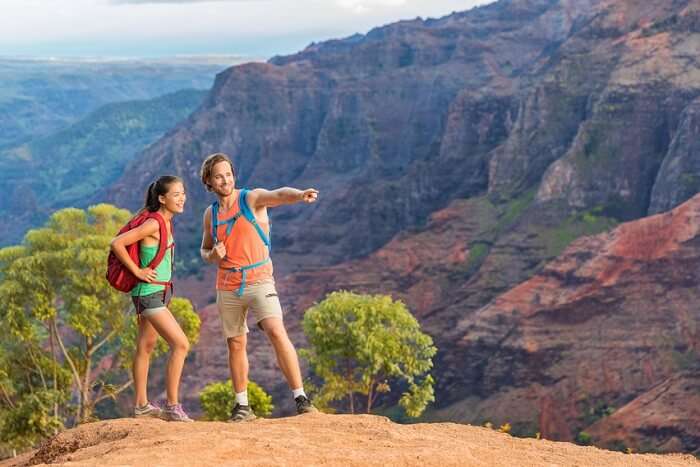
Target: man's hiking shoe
x,y
304,405
175,413
148,411
242,413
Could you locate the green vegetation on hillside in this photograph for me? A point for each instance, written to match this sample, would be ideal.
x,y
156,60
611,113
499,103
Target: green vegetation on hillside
x,y
71,166
74,163
38,97
591,222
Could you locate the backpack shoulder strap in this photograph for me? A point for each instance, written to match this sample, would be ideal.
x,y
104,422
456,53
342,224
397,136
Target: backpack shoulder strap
x,y
138,219
214,220
163,244
250,217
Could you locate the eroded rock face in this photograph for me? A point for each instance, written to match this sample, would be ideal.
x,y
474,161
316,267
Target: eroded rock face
x,y
670,412
679,175
598,126
587,103
610,318
389,126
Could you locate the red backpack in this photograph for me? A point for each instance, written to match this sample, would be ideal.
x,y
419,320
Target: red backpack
x,y
118,275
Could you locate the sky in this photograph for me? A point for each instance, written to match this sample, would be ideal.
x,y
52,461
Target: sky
x,y
159,28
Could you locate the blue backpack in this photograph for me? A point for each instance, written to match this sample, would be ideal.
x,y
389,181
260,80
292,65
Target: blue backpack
x,y
248,215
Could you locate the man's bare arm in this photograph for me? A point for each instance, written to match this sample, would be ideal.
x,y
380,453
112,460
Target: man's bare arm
x,y
260,197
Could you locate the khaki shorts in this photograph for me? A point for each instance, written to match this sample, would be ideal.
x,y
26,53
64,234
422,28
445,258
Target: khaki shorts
x,y
261,299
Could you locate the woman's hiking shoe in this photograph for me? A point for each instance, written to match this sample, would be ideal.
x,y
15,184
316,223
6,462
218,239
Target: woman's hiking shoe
x,y
304,405
175,413
242,413
148,411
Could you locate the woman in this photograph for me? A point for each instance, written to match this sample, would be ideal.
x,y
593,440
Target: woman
x,y
166,196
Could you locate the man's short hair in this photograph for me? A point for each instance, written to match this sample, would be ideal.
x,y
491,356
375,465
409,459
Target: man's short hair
x,y
208,165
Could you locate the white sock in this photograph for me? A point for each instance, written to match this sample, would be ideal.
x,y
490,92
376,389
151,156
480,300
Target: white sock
x,y
242,398
298,392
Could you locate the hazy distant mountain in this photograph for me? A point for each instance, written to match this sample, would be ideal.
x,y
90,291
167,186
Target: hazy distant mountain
x,y
38,97
67,168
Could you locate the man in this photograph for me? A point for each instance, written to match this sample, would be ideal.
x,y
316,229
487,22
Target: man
x,y
236,238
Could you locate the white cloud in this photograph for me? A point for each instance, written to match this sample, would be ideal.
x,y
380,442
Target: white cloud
x,y
364,6
142,2
231,26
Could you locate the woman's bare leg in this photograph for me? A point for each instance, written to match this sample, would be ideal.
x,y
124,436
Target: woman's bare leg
x,y
145,343
165,324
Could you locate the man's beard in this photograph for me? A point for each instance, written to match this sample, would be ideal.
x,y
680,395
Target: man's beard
x,y
225,191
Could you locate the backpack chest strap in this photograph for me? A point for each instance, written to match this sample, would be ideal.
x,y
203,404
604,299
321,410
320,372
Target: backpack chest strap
x,y
243,270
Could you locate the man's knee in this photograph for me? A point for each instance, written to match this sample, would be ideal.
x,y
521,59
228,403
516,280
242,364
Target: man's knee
x,y
275,330
237,344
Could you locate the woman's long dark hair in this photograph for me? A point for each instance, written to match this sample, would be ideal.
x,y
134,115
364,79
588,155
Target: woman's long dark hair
x,y
158,188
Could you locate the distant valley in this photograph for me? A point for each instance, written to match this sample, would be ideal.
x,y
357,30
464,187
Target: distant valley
x,y
70,127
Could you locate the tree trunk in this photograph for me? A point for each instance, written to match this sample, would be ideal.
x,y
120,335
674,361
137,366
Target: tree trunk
x,y
350,392
85,407
86,402
55,364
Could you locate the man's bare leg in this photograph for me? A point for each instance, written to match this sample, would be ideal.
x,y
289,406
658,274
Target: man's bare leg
x,y
284,350
288,362
238,362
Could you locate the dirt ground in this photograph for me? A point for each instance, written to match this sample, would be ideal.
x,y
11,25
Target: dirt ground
x,y
316,439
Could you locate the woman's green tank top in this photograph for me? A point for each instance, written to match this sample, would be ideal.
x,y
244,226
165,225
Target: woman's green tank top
x,y
163,270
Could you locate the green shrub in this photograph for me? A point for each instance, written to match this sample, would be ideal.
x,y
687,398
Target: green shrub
x,y
584,439
218,399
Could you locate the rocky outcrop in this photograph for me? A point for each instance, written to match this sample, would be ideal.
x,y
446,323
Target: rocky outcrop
x,y
333,440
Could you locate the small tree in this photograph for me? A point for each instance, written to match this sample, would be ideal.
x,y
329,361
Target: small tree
x,y
53,295
29,394
362,343
217,400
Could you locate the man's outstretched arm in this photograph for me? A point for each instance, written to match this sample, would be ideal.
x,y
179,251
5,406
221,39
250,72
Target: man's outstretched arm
x,y
260,197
